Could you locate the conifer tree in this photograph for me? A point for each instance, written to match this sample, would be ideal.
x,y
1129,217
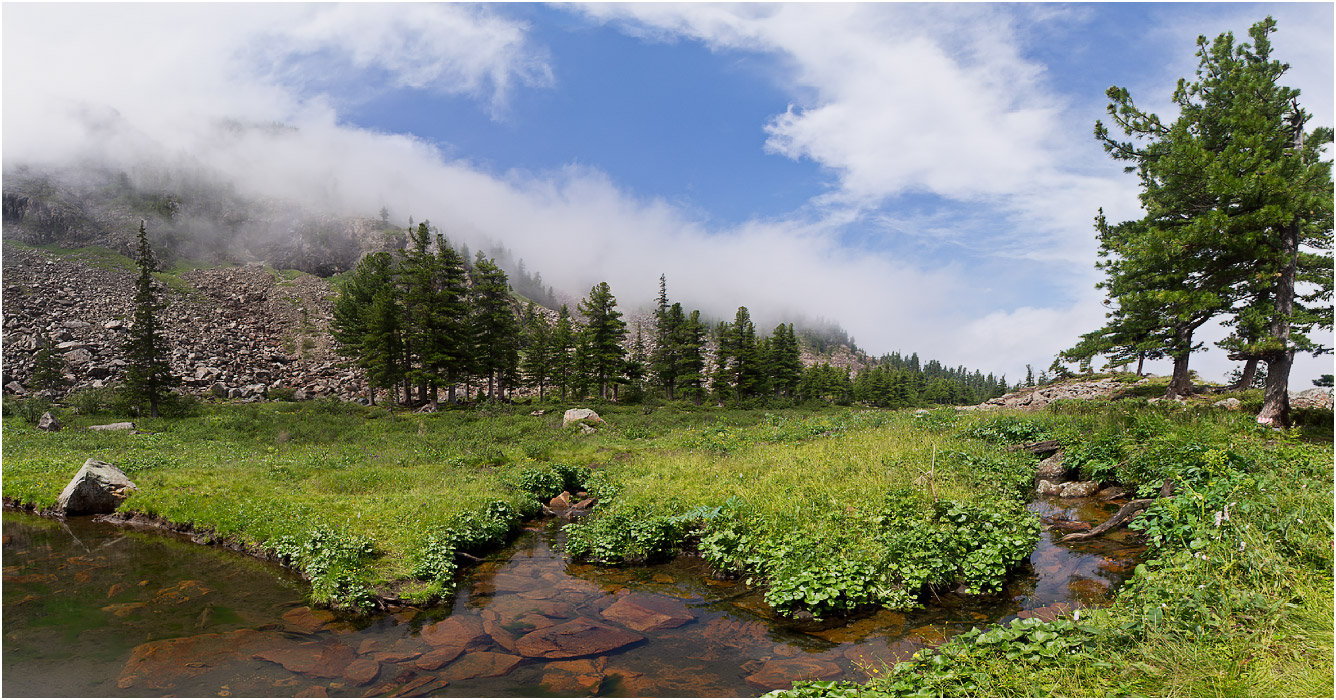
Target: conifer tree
x,y
743,358
1239,213
563,345
604,332
691,355
452,347
419,296
368,334
495,328
149,373
666,361
721,380
784,361
536,363
382,348
48,370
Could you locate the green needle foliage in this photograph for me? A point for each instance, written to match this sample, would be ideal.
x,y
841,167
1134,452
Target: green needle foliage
x,y
1238,222
149,373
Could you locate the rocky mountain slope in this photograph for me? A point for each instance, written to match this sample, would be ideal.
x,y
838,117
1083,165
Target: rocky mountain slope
x,y
234,331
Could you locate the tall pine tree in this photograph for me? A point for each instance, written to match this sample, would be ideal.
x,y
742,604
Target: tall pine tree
x,y
149,373
604,332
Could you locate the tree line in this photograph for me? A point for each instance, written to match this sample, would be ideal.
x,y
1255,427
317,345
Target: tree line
x,y
1238,224
425,320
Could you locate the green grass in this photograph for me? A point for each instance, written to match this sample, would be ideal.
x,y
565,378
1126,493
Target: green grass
x,y
825,510
1234,601
263,472
93,256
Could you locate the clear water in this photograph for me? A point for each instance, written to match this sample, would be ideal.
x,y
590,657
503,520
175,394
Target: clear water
x,y
93,610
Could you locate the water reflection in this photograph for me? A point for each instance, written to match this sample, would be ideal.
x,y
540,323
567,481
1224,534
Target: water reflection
x,y
93,610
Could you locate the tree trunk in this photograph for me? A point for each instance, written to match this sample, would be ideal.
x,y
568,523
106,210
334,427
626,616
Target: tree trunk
x,y
1276,403
371,394
1249,374
1181,383
1141,364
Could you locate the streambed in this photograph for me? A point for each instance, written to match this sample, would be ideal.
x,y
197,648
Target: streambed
x,y
94,610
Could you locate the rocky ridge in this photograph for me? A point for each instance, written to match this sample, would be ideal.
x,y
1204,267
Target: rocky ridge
x,y
235,332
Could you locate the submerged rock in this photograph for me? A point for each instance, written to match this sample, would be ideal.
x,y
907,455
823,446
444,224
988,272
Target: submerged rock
x,y
648,613
580,637
781,673
461,631
97,488
161,665
320,659
481,664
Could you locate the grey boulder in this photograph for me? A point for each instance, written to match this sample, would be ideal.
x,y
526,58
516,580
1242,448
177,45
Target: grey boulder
x,y
49,423
99,487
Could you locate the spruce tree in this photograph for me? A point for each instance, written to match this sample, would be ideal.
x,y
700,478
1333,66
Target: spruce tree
x,y
665,363
149,373
382,350
744,356
563,345
48,370
604,332
364,333
690,344
536,363
495,329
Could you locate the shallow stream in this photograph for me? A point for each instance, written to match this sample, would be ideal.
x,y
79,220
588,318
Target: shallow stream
x,y
95,610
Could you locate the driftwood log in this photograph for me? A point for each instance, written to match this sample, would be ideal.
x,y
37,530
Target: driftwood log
x,y
1123,516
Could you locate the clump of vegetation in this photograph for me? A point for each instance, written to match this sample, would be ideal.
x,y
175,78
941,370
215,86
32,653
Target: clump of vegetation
x,y
1234,600
887,557
469,533
789,505
333,562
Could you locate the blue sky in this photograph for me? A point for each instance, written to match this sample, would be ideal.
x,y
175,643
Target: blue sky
x,y
922,173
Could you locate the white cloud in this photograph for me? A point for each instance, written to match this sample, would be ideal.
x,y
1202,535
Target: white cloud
x,y
878,98
448,48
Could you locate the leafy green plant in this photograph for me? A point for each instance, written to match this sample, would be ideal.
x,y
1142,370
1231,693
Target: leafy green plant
x,y
628,536
1009,430
471,532
332,561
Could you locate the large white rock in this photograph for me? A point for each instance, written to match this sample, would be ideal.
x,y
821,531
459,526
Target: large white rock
x,y
578,414
98,488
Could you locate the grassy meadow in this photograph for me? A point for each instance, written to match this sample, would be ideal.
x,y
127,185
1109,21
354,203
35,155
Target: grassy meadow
x,y
829,510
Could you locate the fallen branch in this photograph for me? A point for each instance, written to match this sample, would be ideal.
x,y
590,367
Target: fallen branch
x,y
1123,516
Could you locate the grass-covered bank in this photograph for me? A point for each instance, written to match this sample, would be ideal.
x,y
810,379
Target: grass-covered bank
x,y
863,509
366,500
1236,599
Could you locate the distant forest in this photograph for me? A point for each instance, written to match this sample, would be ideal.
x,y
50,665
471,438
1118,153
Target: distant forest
x,y
428,319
